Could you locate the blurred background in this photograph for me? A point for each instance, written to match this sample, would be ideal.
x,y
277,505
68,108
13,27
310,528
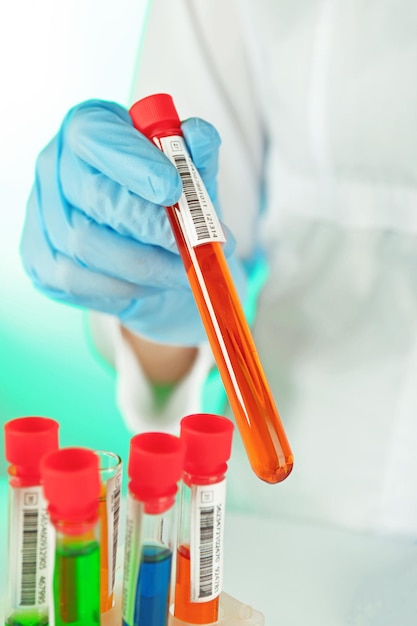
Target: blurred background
x,y
54,55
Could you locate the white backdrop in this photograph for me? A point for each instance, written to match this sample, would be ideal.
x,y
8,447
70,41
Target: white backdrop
x,y
52,55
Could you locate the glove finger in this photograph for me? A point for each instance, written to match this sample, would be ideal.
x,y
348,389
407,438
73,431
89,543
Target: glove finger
x,y
203,142
102,135
51,270
106,252
82,288
97,246
108,203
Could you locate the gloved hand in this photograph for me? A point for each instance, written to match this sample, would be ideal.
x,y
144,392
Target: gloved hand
x,y
96,234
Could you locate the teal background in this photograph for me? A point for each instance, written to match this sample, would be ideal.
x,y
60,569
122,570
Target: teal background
x,y
47,367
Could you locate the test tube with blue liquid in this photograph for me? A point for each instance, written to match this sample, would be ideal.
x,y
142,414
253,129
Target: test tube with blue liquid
x,y
154,469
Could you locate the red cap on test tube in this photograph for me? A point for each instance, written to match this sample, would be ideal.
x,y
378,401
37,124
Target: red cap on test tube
x,y
154,114
71,484
208,444
156,463
26,441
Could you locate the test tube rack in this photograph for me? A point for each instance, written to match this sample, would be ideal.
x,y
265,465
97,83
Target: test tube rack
x,y
232,613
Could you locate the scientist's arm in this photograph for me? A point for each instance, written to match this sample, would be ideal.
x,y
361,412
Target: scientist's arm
x,y
161,364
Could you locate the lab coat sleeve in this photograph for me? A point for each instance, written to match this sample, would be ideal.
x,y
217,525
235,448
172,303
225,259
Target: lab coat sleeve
x,y
208,77
140,407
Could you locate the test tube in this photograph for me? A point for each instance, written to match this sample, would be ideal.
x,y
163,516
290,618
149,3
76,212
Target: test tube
x,y
199,238
27,439
110,468
154,469
199,568
72,486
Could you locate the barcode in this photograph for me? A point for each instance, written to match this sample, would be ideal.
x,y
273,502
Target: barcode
x,y
115,504
197,213
206,551
29,557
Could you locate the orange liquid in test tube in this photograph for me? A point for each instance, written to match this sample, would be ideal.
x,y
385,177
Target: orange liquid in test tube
x,y
109,507
192,612
236,357
228,332
106,596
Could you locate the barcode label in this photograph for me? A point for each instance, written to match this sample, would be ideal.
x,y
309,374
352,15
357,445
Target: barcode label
x,y
206,552
29,557
198,214
206,542
113,516
29,548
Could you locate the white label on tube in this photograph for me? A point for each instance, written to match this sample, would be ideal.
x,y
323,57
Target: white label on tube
x,y
134,516
32,549
206,541
113,487
199,215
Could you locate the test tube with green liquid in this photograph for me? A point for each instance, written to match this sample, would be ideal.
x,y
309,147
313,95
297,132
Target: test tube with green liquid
x,y
26,440
71,485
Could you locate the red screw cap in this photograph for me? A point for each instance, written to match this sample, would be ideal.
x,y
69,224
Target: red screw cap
x,y
156,462
208,443
71,485
154,114
26,440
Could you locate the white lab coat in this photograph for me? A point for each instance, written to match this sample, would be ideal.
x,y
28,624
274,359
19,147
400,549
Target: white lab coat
x,y
316,103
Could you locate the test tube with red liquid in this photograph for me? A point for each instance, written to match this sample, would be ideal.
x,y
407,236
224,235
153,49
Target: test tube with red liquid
x,y
110,469
199,238
199,571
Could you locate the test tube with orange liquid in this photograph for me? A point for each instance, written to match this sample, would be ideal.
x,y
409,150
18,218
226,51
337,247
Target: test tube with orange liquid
x,y
199,239
110,469
199,568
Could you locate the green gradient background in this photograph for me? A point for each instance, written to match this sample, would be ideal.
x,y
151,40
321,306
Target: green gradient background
x,y
47,367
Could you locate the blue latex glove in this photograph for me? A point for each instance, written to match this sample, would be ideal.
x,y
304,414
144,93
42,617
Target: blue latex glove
x,y
96,232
